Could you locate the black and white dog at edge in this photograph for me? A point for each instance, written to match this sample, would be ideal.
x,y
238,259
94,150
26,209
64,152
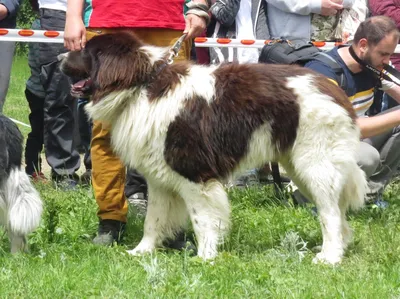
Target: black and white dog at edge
x,y
20,203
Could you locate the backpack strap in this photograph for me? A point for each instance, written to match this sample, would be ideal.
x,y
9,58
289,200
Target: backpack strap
x,y
335,66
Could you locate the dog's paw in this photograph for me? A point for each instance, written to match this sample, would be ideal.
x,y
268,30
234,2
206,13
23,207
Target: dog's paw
x,y
141,250
207,255
329,259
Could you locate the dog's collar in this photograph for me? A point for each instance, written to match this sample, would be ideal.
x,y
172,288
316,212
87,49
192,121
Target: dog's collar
x,y
156,72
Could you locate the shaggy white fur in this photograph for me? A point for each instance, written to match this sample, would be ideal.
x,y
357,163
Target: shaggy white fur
x,y
20,208
322,163
319,153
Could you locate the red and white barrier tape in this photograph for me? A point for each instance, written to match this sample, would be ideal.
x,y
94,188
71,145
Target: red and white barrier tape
x,y
33,36
42,36
205,42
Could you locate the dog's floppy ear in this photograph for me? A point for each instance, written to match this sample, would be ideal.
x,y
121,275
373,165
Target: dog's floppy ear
x,y
130,69
117,63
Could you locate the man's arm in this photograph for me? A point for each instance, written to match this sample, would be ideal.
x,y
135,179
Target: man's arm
x,y
195,25
394,92
369,126
305,7
378,124
75,31
9,8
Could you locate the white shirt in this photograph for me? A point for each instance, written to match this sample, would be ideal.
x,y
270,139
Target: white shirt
x,y
53,4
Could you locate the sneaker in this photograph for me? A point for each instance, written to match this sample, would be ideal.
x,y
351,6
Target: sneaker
x,y
65,183
38,177
381,204
138,201
86,177
109,232
247,180
375,200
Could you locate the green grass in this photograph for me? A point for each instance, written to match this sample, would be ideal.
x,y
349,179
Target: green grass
x,y
267,255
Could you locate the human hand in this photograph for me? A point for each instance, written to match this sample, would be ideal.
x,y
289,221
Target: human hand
x,y
74,34
331,7
345,37
3,12
195,25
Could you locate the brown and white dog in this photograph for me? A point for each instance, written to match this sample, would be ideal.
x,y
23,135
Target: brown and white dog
x,y
188,127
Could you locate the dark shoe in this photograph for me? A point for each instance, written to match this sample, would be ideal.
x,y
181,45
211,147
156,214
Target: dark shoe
x,y
181,243
299,199
249,179
109,232
65,183
86,177
138,202
376,201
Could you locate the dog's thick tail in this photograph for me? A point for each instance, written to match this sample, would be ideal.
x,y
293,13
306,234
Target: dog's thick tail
x,y
23,204
355,188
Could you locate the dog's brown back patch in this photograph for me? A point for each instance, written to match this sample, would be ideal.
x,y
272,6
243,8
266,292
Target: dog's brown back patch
x,y
209,140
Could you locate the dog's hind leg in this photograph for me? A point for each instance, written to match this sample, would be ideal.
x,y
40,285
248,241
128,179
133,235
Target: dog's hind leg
x,y
353,197
166,215
209,211
323,182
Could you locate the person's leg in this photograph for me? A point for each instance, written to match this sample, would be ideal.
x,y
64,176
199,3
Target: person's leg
x,y
388,145
136,191
85,132
368,158
34,142
7,53
108,179
60,147
108,173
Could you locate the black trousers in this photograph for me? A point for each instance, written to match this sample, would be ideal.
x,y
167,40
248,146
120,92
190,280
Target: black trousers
x,y
135,183
59,106
34,142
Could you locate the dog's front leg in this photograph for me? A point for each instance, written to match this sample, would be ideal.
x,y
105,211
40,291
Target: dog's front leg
x,y
166,215
209,211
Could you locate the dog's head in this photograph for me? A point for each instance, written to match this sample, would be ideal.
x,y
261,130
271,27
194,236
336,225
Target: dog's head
x,y
109,63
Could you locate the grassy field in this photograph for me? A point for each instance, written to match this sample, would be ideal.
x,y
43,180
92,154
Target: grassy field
x,y
267,255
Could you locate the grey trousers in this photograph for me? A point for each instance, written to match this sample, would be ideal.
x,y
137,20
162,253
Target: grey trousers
x,y
59,106
379,157
7,54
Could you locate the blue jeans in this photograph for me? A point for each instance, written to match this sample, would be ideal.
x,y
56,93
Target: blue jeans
x,y
388,102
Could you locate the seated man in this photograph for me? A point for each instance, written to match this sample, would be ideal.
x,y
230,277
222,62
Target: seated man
x,y
374,42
